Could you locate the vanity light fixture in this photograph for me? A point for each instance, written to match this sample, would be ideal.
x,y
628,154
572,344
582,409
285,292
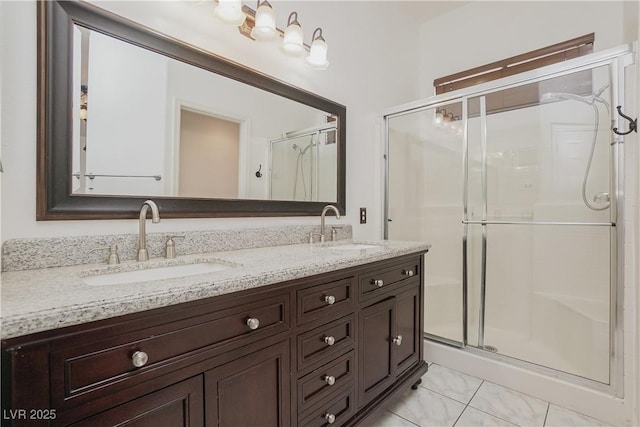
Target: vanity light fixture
x,y
439,116
293,43
318,53
260,24
265,22
230,11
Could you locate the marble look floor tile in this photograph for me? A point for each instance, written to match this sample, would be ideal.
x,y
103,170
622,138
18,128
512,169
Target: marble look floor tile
x,y
510,405
427,408
453,384
389,419
562,417
472,417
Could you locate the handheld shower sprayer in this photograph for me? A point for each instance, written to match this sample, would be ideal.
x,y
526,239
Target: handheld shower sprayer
x,y
593,99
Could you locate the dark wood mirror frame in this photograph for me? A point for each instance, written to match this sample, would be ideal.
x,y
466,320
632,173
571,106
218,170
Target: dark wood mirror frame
x,y
55,200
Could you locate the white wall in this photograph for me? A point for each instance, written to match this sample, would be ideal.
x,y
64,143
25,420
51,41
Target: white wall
x,y
495,30
368,73
2,51
126,103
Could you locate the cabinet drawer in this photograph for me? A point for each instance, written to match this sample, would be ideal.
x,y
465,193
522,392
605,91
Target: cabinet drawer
x,y
325,381
99,364
392,276
315,346
337,410
332,300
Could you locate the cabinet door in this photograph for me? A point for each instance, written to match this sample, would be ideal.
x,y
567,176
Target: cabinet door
x,y
407,349
252,391
178,405
377,358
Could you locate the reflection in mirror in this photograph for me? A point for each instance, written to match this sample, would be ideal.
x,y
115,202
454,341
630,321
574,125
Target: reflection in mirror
x,y
149,125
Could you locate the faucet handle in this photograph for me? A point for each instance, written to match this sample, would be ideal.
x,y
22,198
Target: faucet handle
x,y
312,235
334,232
170,248
114,258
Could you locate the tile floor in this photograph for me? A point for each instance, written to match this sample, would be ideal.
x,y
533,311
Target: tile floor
x,y
451,398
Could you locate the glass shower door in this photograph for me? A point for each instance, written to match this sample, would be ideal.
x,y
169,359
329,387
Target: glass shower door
x,y
540,215
425,195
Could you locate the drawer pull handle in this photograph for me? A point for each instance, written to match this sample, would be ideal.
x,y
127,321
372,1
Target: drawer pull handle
x,y
378,282
397,340
330,418
330,299
408,273
330,340
139,359
329,379
253,323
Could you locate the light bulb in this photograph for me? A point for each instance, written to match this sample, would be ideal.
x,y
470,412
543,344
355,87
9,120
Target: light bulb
x,y
293,43
318,53
439,117
230,11
265,23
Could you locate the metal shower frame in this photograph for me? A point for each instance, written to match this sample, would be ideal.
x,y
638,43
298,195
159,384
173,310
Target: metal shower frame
x,y
616,59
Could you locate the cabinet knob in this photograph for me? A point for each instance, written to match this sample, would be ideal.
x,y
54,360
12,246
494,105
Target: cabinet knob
x,y
397,340
253,323
408,273
329,379
139,359
330,299
330,340
378,282
330,418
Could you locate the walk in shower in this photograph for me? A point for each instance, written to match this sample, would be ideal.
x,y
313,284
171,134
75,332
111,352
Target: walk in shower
x,y
518,186
303,165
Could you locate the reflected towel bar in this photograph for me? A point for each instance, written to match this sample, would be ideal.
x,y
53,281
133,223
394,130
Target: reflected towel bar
x,y
92,176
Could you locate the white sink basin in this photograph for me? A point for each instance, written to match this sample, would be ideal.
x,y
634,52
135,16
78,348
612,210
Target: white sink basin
x,y
158,273
355,247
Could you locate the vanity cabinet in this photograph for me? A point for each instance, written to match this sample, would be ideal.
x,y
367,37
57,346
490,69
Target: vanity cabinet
x,y
318,351
389,340
250,391
179,405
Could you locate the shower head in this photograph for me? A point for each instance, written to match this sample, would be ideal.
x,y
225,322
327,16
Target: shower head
x,y
557,96
303,150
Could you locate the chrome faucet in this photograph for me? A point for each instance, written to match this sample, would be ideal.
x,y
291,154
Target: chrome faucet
x,y
324,212
143,254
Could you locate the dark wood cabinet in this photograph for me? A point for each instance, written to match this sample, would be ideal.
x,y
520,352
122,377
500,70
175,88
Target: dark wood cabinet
x,y
179,405
309,352
252,391
377,361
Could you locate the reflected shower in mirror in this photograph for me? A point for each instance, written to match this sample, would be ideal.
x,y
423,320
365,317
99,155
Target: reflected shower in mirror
x,y
149,125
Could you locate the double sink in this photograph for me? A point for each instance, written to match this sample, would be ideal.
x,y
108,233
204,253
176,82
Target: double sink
x,y
183,270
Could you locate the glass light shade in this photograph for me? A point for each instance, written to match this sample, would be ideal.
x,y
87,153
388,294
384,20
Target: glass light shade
x,y
265,24
318,55
83,113
230,11
293,43
439,117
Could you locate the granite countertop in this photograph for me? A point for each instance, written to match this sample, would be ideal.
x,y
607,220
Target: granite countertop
x,y
49,298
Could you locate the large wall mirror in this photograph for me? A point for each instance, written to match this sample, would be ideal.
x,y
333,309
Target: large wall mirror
x,y
126,114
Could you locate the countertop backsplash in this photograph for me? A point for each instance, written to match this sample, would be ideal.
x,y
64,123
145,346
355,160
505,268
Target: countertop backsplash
x,y
35,253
